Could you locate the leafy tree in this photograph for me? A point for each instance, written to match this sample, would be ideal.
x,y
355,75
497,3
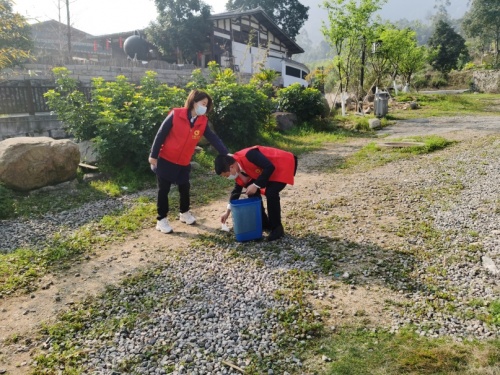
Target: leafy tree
x,y
448,48
181,30
349,32
15,36
289,15
404,55
483,21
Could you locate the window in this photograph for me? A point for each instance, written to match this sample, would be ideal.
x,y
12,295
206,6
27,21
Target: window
x,y
293,72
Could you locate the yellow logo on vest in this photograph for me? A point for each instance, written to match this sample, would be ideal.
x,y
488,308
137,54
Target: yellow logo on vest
x,y
258,171
196,134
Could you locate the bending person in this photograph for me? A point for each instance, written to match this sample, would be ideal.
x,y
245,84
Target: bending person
x,y
256,168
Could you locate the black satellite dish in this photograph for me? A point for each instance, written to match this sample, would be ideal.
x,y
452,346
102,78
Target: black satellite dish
x,y
136,48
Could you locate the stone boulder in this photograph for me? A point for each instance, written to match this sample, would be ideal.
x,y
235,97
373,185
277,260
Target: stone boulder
x,y
28,163
285,120
374,123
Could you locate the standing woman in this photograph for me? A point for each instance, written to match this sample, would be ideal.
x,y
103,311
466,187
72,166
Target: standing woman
x,y
172,150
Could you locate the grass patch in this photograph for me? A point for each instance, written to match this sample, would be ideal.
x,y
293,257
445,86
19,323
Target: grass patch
x,y
38,203
97,318
301,140
7,202
359,352
374,155
438,105
20,270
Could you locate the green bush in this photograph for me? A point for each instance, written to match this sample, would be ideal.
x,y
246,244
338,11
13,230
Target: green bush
x,y
121,118
240,113
307,103
6,203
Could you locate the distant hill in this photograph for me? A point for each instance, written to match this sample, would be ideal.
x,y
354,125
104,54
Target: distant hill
x,y
393,10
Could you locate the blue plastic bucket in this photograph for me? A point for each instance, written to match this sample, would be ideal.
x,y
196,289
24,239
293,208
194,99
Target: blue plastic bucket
x,y
247,219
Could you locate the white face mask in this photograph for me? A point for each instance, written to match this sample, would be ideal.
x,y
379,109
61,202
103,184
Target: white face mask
x,y
232,176
200,110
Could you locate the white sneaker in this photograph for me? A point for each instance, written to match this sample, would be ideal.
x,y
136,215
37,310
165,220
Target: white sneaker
x,y
163,226
187,217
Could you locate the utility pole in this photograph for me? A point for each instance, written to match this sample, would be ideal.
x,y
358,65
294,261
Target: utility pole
x,y
69,30
59,28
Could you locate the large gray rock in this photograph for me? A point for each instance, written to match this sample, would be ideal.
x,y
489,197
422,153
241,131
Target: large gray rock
x,y
28,163
285,120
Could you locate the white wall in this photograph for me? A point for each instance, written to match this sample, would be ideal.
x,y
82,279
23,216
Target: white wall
x,y
248,59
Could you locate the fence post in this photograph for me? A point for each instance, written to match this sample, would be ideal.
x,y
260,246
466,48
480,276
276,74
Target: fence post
x,y
30,104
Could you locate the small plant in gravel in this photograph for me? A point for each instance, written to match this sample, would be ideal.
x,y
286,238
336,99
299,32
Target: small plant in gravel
x,y
494,310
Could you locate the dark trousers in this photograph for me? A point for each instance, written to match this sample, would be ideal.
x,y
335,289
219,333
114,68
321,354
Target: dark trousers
x,y
273,190
162,199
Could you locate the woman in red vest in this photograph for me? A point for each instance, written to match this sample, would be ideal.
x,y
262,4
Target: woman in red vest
x,y
256,168
172,150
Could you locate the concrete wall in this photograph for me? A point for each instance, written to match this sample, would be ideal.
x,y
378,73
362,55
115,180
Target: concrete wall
x,y
85,73
43,125
487,81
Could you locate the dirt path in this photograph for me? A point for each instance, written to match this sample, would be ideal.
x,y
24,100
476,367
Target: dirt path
x,y
21,317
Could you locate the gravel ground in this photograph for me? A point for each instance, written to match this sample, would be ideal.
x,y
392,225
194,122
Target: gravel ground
x,y
215,306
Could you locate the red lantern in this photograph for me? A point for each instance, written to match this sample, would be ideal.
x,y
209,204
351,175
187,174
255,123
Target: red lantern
x,y
120,42
108,43
95,45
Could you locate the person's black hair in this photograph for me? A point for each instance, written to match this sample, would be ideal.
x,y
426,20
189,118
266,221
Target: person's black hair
x,y
222,163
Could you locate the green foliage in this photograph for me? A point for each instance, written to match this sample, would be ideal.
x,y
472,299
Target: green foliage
x,y
307,103
263,81
448,48
121,118
349,31
6,203
181,29
438,81
71,105
482,21
402,51
494,310
198,81
240,112
15,36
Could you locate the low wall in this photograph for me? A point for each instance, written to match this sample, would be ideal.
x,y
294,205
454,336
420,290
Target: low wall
x,y
40,125
85,73
487,81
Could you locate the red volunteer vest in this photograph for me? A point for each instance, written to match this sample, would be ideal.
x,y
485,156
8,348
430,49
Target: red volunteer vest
x,y
283,161
179,145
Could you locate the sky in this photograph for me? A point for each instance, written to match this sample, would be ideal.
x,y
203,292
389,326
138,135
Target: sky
x,y
99,17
